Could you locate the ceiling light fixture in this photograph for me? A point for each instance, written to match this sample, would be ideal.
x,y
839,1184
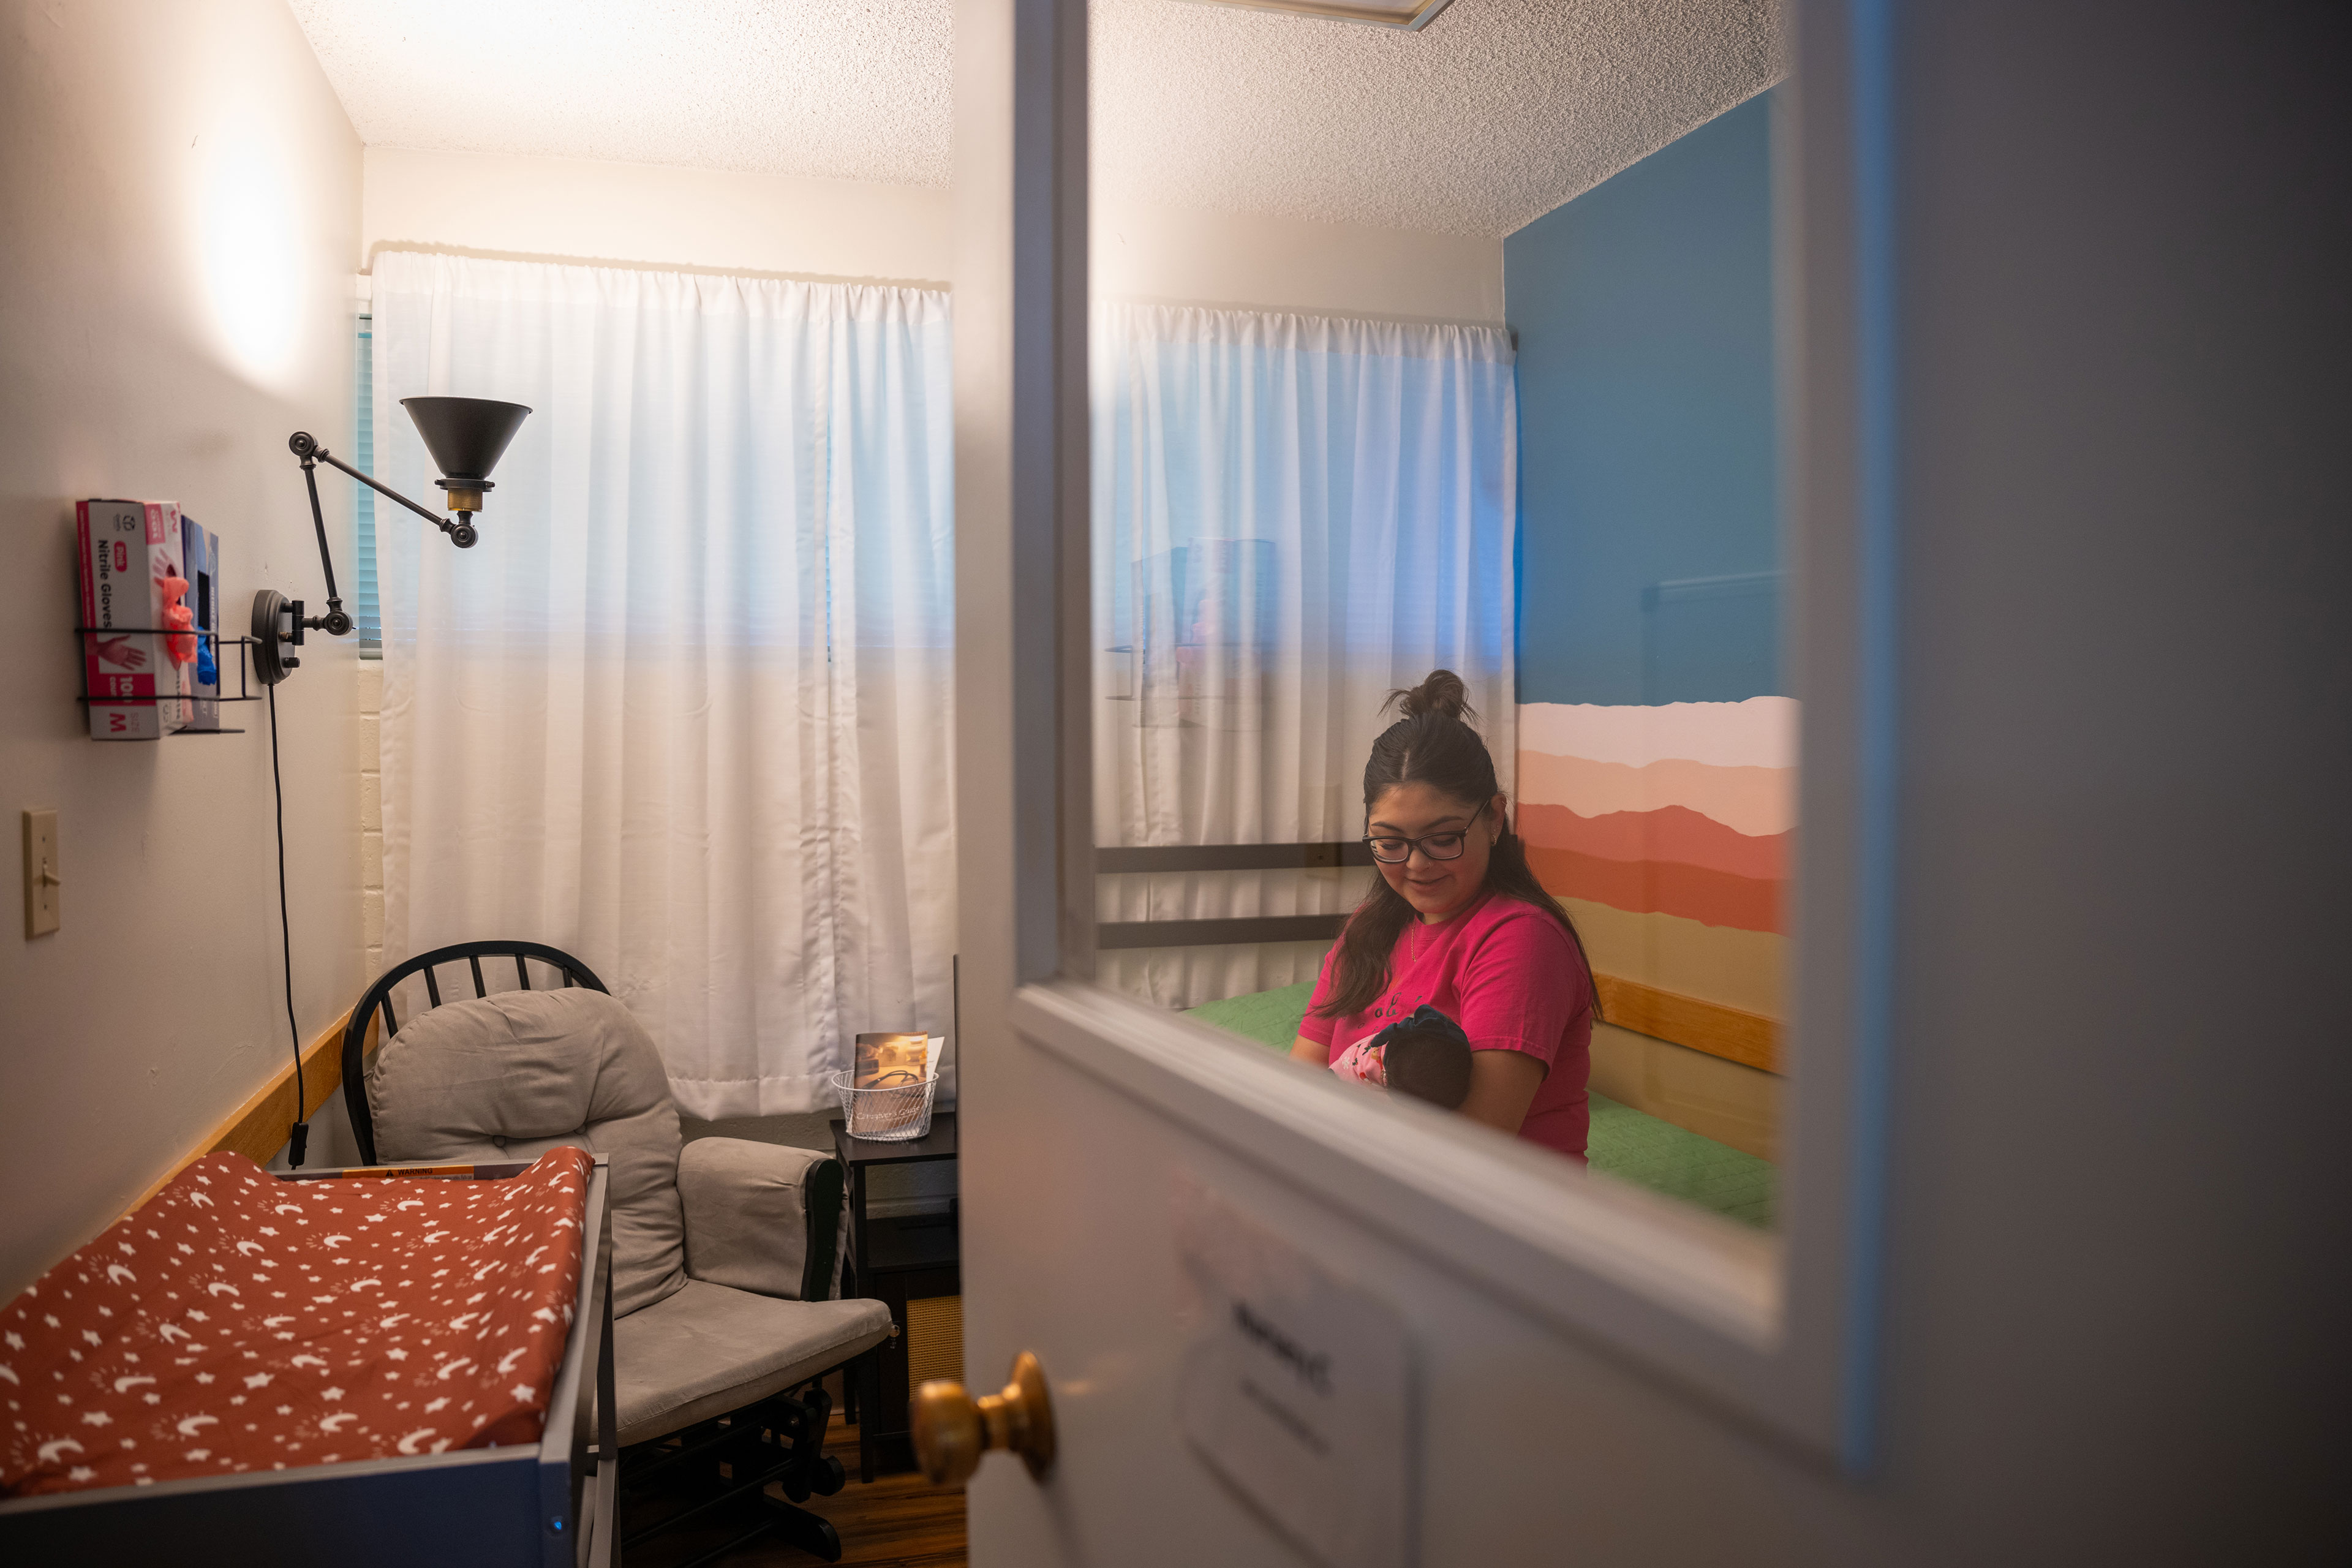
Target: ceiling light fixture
x,y
1406,16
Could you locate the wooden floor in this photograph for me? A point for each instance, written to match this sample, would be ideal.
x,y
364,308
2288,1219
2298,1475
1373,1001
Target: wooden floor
x,y
893,1521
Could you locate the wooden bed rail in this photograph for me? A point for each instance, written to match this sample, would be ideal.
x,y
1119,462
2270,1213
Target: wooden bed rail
x,y
1749,1038
258,1128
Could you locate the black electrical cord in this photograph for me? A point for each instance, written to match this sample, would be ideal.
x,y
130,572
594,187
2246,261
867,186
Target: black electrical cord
x,y
298,1137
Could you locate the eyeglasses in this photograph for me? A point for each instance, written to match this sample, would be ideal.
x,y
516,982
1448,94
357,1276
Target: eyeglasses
x,y
1390,850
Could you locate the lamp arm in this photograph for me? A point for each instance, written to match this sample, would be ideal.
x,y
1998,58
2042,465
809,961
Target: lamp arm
x,y
318,522
386,491
336,622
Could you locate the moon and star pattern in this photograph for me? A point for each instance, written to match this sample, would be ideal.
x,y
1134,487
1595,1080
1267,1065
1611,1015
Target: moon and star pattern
x,y
237,1321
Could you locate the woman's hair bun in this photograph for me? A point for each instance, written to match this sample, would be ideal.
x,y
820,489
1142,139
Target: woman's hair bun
x,y
1443,693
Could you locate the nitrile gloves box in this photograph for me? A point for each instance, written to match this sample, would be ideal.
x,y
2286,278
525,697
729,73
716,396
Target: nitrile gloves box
x,y
127,550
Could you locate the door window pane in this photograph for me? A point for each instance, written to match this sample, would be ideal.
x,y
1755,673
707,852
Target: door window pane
x,y
1481,408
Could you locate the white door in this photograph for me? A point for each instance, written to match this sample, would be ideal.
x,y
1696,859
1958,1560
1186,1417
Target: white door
x,y
1285,1324
1281,1323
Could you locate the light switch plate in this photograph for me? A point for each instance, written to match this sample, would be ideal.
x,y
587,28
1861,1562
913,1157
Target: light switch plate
x,y
43,880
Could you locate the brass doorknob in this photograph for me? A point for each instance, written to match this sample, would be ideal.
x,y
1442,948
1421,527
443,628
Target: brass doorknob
x,y
953,1430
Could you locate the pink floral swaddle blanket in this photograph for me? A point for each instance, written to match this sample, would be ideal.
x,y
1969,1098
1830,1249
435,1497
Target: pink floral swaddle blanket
x,y
1425,1057
1366,1061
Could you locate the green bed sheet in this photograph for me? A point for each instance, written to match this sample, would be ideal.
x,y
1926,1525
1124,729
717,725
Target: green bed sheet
x,y
1624,1143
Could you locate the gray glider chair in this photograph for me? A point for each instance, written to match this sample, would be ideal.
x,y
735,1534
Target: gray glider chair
x,y
726,1252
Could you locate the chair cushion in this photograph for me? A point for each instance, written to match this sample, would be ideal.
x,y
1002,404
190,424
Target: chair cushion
x,y
509,1075
709,1350
764,1217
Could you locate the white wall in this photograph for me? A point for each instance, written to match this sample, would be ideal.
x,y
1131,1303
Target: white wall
x,y
573,209
1179,255
180,193
841,230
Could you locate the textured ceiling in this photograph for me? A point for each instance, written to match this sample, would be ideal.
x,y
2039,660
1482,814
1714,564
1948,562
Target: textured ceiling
x,y
850,90
1496,113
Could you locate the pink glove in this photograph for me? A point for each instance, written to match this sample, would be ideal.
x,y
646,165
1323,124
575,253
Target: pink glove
x,y
180,618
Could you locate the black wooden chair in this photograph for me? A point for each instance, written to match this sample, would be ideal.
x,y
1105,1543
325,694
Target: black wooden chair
x,y
377,999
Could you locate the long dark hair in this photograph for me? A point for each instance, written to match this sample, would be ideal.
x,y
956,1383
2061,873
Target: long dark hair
x,y
1432,742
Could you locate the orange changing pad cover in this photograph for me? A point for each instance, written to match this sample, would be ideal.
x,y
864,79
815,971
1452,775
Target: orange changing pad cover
x,y
236,1321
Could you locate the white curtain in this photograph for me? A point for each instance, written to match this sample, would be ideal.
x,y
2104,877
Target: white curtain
x,y
1292,516
685,710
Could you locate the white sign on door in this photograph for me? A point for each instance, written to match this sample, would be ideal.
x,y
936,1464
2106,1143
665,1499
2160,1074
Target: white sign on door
x,y
1295,1388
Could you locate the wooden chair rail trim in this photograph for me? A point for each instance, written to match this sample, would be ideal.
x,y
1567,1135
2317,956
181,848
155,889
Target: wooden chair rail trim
x,y
258,1128
1749,1038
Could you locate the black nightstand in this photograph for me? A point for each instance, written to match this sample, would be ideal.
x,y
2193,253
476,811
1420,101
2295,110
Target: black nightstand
x,y
895,1260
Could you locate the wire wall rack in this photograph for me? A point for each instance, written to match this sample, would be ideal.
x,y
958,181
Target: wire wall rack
x,y
245,692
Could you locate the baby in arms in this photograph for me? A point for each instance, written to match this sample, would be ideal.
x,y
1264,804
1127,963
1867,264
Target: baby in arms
x,y
1426,1056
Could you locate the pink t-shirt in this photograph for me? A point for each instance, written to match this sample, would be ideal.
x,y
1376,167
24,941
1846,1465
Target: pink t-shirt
x,y
1510,975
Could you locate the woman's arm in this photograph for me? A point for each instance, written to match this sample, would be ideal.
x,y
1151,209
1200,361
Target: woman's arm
x,y
1315,1053
1520,989
1503,1084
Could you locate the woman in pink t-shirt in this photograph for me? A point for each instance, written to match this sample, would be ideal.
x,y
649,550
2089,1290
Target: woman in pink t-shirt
x,y
1457,921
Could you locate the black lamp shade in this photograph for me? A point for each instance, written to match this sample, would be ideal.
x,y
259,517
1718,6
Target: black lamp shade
x,y
466,436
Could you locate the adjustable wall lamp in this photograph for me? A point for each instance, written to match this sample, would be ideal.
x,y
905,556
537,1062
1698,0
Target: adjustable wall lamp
x,y
466,435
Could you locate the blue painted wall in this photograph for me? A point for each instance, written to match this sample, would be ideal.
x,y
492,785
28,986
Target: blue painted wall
x,y
1650,540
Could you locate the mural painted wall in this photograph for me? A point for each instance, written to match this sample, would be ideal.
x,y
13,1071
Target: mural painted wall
x,y
1666,831
1657,742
